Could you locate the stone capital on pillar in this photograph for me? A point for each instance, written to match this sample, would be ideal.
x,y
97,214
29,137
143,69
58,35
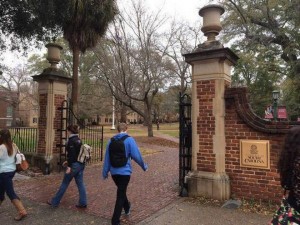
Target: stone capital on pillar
x,y
211,74
52,91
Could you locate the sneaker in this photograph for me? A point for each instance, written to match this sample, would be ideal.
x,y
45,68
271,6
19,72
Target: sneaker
x,y
50,203
81,206
127,212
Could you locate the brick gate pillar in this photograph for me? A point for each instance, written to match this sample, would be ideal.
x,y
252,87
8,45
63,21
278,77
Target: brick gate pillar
x,y
52,91
211,73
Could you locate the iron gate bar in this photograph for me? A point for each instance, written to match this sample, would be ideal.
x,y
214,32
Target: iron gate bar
x,y
185,141
64,117
89,135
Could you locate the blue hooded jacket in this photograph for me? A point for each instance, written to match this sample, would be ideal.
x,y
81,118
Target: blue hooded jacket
x,y
132,152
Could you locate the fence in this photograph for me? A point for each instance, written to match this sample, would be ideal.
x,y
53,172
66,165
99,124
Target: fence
x,y
25,138
93,136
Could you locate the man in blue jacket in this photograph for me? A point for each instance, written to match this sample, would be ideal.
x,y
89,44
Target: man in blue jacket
x,y
121,175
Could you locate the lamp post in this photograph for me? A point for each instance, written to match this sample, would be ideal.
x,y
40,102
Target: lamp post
x,y
275,95
113,114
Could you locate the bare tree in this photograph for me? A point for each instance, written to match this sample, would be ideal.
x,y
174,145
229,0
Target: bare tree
x,y
15,82
132,62
184,38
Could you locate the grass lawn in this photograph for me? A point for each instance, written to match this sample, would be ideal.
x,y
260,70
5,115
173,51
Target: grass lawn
x,y
139,132
171,129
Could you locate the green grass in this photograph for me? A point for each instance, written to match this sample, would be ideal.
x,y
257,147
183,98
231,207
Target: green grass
x,y
25,139
171,129
172,133
27,143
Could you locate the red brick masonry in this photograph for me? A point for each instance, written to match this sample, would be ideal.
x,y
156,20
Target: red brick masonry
x,y
242,123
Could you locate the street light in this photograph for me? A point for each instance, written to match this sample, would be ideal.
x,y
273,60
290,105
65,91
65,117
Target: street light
x,y
113,114
275,95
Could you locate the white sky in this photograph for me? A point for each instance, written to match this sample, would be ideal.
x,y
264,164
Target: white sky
x,y
181,9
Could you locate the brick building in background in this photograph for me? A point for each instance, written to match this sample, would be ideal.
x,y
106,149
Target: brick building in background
x,y
7,111
17,110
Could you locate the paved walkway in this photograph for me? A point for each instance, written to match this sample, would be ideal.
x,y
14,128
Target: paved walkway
x,y
148,191
153,194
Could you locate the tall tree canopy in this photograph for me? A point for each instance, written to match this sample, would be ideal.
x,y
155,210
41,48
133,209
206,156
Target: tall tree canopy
x,y
82,23
265,32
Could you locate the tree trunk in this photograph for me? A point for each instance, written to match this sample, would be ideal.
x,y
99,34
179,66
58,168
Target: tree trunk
x,y
182,85
123,113
75,90
148,121
14,116
150,128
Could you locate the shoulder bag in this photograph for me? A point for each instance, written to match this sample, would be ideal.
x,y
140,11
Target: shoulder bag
x,y
21,162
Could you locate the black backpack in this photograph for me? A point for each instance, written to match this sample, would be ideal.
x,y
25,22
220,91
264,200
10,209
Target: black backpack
x,y
117,152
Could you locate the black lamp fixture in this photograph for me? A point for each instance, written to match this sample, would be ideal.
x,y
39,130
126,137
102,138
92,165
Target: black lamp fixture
x,y
275,95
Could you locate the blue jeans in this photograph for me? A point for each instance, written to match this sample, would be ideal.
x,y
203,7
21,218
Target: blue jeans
x,y
76,172
6,186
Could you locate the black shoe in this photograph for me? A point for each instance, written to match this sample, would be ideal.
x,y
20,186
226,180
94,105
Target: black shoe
x,y
81,206
127,212
50,203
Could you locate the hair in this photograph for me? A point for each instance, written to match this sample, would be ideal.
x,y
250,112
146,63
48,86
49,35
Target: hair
x,y
5,138
74,129
289,154
122,127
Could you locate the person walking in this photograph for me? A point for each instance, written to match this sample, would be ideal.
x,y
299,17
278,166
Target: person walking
x,y
119,165
289,170
8,151
74,169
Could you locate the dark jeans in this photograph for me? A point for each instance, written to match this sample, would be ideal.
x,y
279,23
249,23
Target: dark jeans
x,y
122,182
6,186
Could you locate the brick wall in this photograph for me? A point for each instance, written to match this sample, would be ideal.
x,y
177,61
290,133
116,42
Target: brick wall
x,y
242,123
206,126
58,100
42,123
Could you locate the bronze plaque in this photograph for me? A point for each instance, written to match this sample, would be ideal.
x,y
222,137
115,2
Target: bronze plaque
x,y
255,154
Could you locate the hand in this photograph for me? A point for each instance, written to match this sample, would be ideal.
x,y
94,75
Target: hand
x,y
65,164
68,170
145,167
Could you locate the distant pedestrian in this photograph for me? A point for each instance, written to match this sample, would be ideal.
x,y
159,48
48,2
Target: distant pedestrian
x,y
119,165
74,169
8,152
289,169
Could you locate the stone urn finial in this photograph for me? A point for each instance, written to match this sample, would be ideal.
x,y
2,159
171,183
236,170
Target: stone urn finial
x,y
53,56
211,21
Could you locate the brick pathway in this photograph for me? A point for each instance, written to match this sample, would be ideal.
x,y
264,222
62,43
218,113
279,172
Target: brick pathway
x,y
148,191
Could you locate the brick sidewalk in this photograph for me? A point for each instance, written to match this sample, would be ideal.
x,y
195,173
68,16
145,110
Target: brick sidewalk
x,y
148,191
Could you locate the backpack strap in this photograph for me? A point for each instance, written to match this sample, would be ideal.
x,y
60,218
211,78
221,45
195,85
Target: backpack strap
x,y
124,137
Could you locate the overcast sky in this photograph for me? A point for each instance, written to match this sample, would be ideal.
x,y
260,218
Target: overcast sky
x,y
181,9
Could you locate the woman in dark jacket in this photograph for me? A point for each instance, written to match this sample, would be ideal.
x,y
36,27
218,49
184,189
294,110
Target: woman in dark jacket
x,y
73,169
289,169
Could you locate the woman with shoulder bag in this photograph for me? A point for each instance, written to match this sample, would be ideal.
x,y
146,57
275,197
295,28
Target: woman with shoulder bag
x,y
7,172
289,169
74,169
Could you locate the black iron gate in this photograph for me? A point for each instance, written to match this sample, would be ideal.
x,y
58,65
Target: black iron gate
x,y
185,141
91,135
